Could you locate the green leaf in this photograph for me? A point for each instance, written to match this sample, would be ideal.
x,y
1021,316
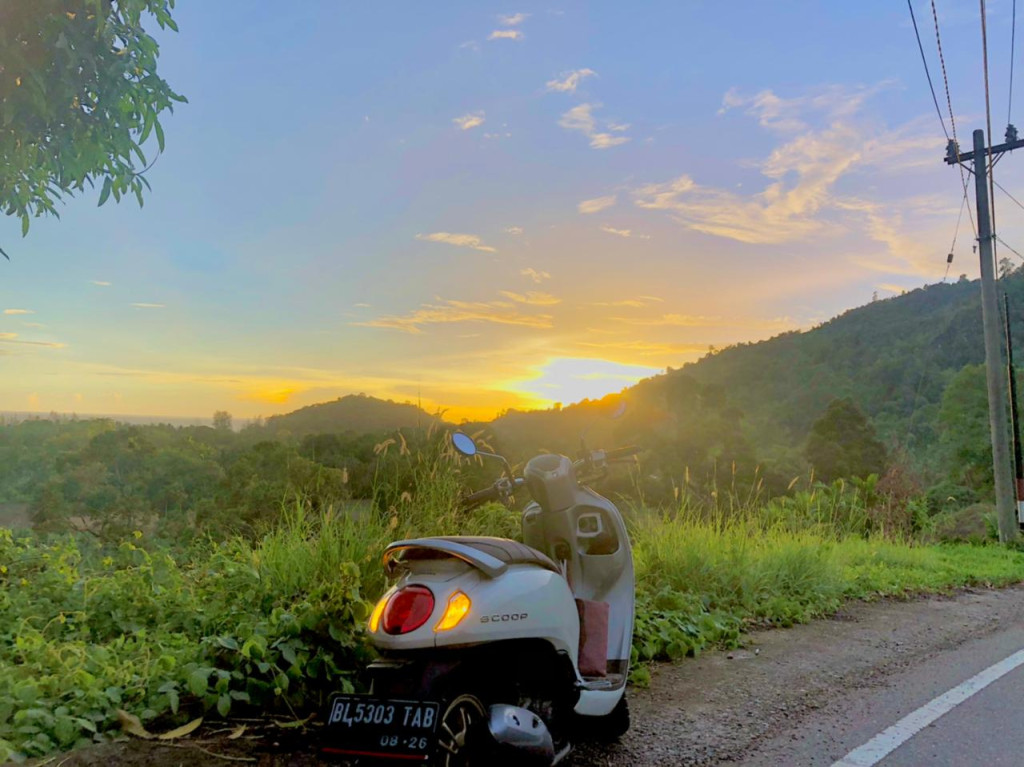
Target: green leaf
x,y
159,135
24,225
107,185
289,653
147,125
224,705
228,643
197,681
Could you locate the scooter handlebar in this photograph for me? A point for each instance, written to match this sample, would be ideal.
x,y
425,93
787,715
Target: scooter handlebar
x,y
499,491
621,452
480,496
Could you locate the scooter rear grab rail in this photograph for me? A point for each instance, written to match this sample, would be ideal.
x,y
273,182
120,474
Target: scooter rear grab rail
x,y
490,566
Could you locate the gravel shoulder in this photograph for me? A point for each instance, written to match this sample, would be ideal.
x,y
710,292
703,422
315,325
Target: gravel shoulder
x,y
738,707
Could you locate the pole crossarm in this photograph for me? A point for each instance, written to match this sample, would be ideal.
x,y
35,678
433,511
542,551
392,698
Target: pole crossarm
x,y
953,157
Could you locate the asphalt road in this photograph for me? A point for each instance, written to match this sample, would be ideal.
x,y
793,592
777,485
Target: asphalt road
x,y
983,728
826,694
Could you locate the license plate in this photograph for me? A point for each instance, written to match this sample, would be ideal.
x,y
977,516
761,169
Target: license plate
x,y
360,725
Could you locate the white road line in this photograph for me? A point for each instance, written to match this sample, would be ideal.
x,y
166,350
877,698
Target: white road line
x,y
887,741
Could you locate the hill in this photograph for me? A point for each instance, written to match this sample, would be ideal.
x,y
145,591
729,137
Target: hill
x,y
754,404
356,413
746,411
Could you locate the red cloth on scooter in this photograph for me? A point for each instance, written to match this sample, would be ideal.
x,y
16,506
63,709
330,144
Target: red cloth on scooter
x,y
593,637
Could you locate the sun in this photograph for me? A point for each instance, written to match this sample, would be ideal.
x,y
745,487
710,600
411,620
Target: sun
x,y
571,379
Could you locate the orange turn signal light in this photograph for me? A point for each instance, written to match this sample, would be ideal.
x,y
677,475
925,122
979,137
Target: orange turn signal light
x,y
378,610
457,609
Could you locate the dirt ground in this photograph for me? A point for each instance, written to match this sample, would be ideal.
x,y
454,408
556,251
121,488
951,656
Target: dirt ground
x,y
706,711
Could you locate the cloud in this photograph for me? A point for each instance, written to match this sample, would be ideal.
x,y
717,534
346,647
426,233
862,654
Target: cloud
x,y
570,81
516,230
101,283
534,275
513,19
271,396
505,34
149,306
580,118
459,240
908,253
801,173
638,302
497,312
531,298
597,204
788,115
891,288
647,348
618,232
33,325
799,200
623,232
18,311
360,306
469,121
779,324
12,338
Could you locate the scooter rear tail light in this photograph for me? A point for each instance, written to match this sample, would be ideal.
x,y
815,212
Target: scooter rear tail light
x,y
408,609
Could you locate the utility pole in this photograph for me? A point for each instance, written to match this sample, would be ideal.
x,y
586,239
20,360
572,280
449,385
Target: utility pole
x,y
1018,457
995,372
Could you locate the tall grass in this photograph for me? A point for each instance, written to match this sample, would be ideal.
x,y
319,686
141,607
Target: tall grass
x,y
276,622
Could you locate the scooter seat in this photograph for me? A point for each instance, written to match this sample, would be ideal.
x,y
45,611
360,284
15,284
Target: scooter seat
x,y
508,551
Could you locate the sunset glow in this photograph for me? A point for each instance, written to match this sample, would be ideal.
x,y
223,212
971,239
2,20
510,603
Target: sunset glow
x,y
437,207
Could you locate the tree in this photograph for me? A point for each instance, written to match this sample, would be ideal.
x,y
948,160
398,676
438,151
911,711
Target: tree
x,y
222,420
964,432
79,94
843,443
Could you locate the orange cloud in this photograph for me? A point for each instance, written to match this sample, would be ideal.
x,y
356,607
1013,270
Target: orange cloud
x,y
497,312
272,396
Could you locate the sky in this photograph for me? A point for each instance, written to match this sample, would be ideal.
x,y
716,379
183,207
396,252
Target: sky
x,y
485,206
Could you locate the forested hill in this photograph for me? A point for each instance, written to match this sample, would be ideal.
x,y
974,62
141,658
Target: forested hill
x,y
356,413
756,403
893,357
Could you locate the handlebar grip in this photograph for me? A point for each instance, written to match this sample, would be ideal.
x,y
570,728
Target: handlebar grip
x,y
487,494
621,452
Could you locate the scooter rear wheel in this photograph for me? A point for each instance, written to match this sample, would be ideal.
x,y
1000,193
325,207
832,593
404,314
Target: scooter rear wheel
x,y
461,741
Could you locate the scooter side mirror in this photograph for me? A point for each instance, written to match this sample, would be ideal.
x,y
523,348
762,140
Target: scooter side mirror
x,y
464,443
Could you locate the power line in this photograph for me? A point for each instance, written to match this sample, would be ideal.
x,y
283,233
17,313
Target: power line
x,y
1013,41
1003,190
1016,253
945,78
988,124
928,74
949,106
956,232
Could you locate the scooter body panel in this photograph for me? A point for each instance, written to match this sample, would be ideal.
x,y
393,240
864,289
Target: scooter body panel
x,y
526,602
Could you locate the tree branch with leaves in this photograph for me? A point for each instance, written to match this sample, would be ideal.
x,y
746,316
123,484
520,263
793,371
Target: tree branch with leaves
x,y
79,95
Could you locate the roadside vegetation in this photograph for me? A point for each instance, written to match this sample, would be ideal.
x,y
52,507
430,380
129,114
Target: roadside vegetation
x,y
268,617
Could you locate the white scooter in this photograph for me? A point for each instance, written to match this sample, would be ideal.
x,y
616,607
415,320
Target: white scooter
x,y
494,651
